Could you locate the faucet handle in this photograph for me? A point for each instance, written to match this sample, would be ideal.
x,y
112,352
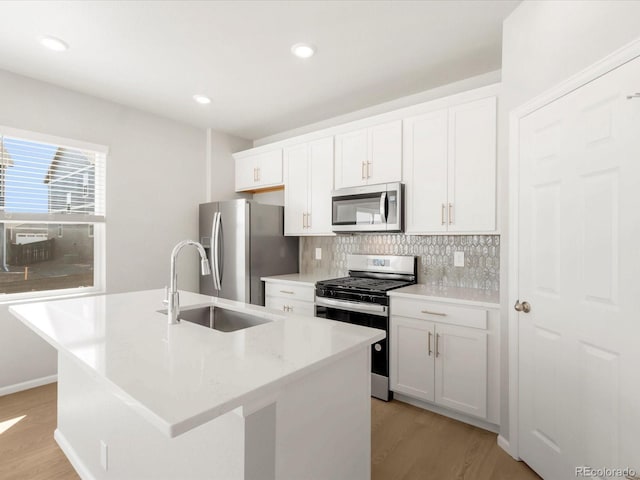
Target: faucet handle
x,y
166,296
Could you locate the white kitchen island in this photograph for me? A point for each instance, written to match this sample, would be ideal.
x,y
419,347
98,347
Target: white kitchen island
x,y
141,399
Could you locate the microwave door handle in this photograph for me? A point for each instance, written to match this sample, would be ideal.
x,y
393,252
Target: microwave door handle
x,y
383,207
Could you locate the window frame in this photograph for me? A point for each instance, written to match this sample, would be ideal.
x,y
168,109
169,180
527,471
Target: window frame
x,y
98,221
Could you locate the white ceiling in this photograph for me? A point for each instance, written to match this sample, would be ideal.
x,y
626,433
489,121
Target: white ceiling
x,y
154,55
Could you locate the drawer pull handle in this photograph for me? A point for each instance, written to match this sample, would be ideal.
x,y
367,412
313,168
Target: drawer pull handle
x,y
434,313
286,291
437,342
429,343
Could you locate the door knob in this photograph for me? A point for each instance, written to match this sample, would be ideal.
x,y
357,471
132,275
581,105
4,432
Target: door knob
x,y
522,307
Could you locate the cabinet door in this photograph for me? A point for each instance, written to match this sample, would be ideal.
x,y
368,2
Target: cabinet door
x,y
270,168
320,186
472,166
246,174
461,369
351,159
412,357
385,153
296,189
425,172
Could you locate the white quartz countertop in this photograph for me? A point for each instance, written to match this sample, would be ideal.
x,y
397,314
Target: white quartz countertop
x,y
457,295
181,376
298,278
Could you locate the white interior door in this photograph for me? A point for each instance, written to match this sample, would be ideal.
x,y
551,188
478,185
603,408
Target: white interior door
x,y
579,224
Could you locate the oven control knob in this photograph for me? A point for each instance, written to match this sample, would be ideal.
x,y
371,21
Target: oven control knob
x,y
378,347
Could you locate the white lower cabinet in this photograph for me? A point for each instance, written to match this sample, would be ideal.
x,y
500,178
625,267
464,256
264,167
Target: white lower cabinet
x,y
290,298
437,357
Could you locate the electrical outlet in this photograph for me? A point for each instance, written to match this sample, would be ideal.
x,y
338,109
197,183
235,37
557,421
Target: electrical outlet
x,y
458,259
318,253
104,455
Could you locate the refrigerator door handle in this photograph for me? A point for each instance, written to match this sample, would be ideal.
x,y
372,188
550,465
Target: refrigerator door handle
x,y
220,251
215,257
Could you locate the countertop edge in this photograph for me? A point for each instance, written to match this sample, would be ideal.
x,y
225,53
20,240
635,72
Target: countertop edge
x,y
445,299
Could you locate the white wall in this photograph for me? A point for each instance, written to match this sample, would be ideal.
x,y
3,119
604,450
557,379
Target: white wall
x,y
221,164
155,180
543,44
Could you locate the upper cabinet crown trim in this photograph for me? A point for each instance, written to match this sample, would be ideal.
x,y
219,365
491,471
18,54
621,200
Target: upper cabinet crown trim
x,y
398,114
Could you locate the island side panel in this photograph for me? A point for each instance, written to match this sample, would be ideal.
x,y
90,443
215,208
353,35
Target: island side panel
x,y
89,413
324,423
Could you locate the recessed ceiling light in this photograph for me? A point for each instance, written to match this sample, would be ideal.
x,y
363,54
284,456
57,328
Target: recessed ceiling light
x,y
303,50
53,43
202,99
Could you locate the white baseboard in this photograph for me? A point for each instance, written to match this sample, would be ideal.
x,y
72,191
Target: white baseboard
x,y
476,422
75,461
18,387
504,444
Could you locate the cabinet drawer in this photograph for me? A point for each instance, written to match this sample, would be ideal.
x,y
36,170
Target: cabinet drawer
x,y
290,306
440,312
305,293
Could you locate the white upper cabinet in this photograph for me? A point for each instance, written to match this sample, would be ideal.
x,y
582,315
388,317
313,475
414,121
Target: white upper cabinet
x,y
369,156
258,171
450,169
308,185
296,189
472,167
425,170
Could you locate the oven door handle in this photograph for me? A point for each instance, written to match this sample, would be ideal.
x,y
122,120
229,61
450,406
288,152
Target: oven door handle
x,y
372,309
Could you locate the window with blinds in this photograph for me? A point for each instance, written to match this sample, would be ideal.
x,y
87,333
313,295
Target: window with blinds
x,y
52,214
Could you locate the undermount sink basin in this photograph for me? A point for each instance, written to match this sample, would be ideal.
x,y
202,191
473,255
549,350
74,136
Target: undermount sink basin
x,y
219,318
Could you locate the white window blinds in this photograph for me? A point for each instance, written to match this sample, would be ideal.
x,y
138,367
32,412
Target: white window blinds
x,y
47,181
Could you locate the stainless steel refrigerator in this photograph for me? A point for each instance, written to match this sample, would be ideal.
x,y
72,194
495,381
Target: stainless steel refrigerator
x,y
244,241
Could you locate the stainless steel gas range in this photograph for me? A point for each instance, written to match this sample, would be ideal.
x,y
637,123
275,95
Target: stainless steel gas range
x,y
361,299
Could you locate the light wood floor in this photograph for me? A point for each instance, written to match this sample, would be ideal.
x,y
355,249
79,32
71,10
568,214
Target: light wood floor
x,y
408,443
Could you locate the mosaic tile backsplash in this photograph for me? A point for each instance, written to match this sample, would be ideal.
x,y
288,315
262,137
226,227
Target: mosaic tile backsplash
x,y
435,263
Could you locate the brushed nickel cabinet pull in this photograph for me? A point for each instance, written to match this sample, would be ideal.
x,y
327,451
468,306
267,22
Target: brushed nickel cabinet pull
x,y
304,220
434,313
442,215
450,213
289,292
369,169
429,343
258,173
437,345
308,220
362,172
254,174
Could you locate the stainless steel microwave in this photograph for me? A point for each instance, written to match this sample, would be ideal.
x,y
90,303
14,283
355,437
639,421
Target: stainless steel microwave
x,y
371,208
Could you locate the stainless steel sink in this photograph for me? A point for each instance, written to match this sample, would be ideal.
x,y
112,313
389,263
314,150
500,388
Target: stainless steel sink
x,y
219,318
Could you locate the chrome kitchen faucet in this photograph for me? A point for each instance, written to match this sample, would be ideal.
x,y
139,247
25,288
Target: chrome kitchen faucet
x,y
173,299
